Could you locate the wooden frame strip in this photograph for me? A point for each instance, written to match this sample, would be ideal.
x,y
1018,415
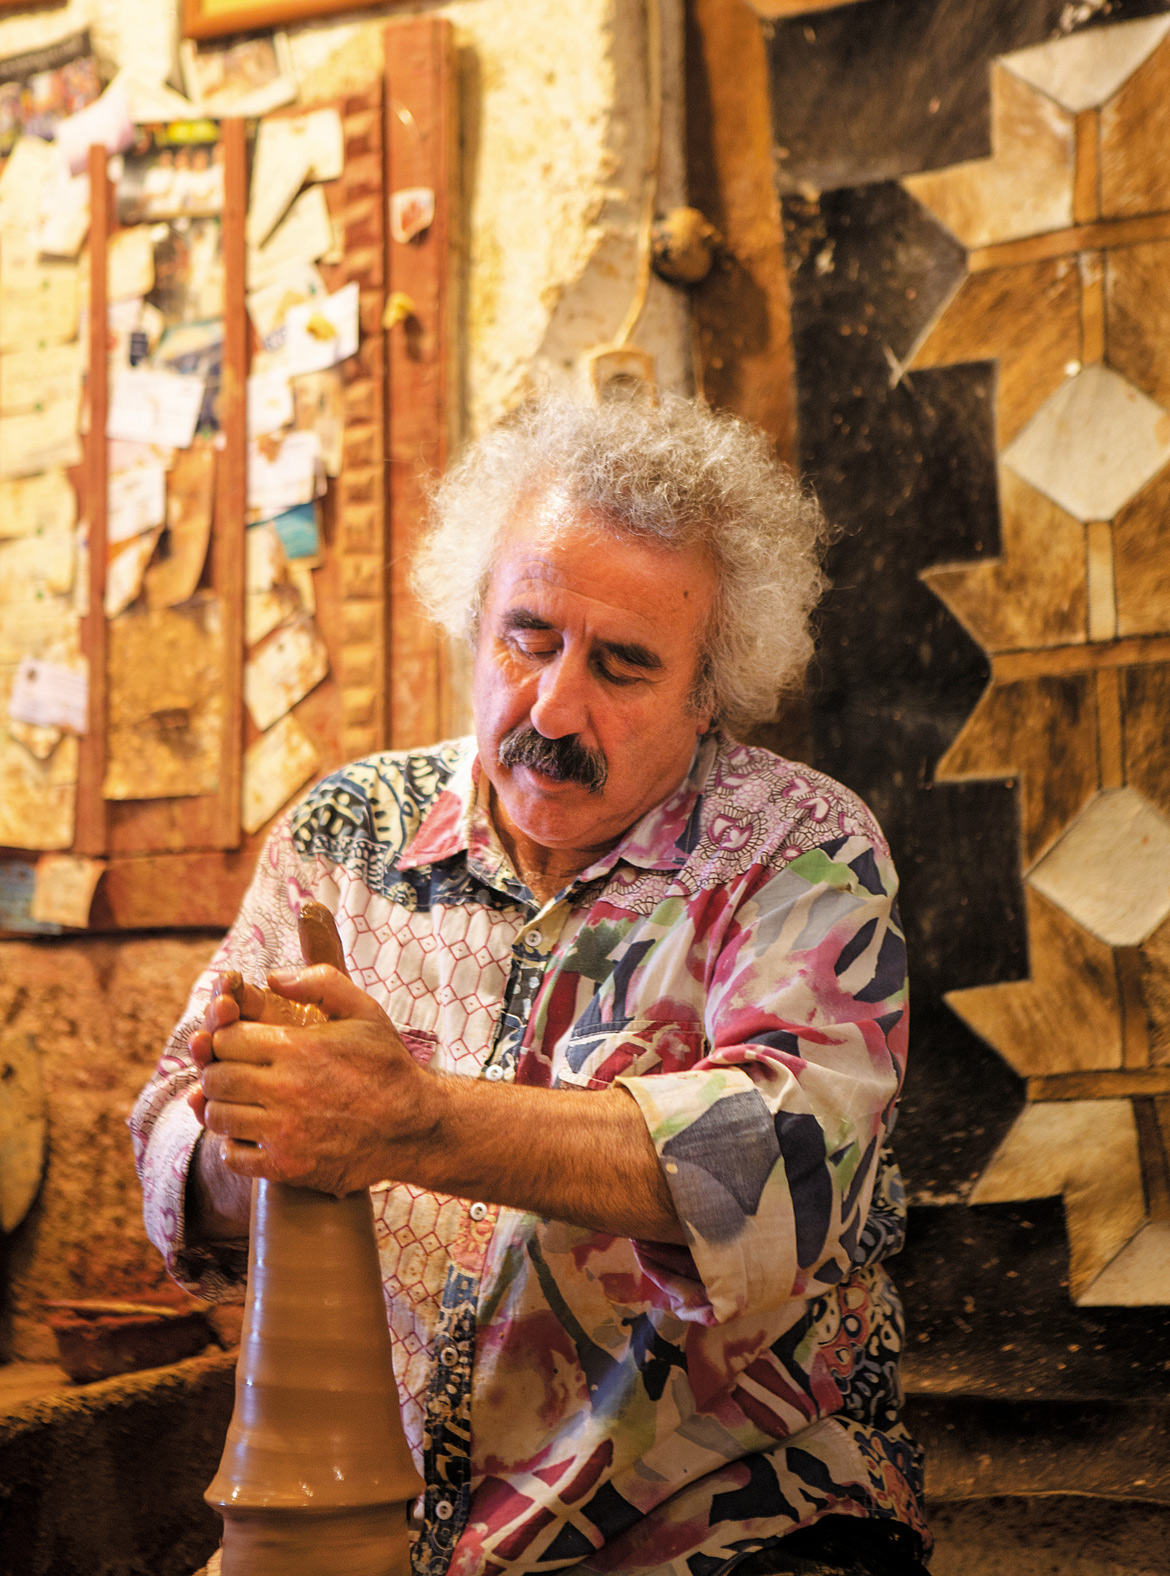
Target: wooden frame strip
x,y
251,17
90,824
1054,661
1081,238
420,145
231,484
1109,1084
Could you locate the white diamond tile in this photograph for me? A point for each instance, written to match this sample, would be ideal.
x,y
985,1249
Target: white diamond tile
x,y
1110,871
1093,445
1082,71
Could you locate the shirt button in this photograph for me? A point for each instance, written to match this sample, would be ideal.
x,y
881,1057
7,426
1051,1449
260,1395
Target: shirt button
x,y
449,1356
444,1510
494,1073
477,1211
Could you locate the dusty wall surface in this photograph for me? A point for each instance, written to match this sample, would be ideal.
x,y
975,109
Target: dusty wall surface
x,y
98,1011
554,135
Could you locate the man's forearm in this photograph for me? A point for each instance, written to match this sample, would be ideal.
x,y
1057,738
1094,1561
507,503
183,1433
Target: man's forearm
x,y
219,1202
585,1158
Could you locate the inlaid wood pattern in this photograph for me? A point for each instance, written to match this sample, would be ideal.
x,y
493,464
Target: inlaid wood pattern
x,y
1028,318
1044,731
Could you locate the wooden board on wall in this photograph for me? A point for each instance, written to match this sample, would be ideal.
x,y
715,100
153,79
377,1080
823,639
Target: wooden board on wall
x,y
420,153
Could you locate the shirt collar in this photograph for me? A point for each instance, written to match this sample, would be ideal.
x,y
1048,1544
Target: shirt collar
x,y
458,823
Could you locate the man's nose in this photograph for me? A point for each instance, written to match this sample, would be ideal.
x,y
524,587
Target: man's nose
x,y
560,707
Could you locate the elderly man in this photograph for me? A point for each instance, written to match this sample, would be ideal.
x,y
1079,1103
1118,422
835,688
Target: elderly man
x,y
621,1043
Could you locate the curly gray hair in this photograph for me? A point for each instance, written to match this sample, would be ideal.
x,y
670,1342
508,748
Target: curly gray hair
x,y
678,475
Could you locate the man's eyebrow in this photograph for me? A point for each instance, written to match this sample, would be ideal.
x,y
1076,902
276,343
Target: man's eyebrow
x,y
632,654
523,618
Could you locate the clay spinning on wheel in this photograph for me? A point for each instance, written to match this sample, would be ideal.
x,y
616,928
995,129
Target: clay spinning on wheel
x,y
316,1476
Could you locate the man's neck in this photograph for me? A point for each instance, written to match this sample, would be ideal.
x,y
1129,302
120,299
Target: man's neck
x,y
544,871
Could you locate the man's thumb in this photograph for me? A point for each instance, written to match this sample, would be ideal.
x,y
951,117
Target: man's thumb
x,y
320,942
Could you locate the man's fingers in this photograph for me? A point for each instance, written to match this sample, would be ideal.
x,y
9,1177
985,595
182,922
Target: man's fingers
x,y
335,994
246,1160
243,1123
197,1100
259,1043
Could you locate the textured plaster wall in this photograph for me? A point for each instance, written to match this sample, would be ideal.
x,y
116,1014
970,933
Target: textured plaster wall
x,y
554,134
97,1011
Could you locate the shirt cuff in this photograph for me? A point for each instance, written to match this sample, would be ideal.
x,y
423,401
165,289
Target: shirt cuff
x,y
215,1270
716,1142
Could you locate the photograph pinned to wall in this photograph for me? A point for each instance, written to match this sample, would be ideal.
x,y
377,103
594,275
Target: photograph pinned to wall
x,y
43,87
249,76
172,171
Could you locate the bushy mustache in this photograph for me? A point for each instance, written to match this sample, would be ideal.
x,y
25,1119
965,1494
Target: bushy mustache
x,y
565,760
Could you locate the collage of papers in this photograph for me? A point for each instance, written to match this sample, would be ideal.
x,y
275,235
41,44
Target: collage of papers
x,y
166,658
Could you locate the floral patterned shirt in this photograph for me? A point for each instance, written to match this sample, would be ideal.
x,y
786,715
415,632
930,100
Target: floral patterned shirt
x,y
736,964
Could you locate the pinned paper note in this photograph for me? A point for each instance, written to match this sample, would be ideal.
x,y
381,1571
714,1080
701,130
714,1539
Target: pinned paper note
x,y
32,379
302,236
107,121
319,406
295,283
165,702
125,570
37,505
275,766
270,402
50,695
64,889
17,882
37,798
285,475
263,557
283,671
39,306
137,501
190,500
321,333
265,611
154,407
64,216
130,263
40,440
300,577
299,533
31,164
290,151
412,211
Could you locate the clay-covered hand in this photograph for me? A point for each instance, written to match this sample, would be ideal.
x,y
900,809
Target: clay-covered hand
x,y
307,1082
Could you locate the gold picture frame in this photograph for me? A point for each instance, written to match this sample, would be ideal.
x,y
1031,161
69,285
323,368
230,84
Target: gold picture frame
x,y
217,18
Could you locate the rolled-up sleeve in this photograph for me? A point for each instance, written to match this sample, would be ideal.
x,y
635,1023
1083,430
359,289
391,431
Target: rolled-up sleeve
x,y
163,1127
770,1143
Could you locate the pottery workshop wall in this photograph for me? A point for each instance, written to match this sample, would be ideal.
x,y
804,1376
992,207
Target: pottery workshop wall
x,y
978,242
554,141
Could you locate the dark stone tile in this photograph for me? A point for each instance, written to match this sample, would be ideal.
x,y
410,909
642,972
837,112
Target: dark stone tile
x,y
878,90
985,1289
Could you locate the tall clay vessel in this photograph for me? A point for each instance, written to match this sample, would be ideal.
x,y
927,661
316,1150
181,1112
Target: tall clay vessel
x,y
316,1477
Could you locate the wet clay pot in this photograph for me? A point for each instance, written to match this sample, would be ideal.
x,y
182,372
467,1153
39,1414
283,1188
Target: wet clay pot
x,y
316,1477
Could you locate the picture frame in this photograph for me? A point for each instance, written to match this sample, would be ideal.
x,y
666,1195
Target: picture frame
x,y
217,18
